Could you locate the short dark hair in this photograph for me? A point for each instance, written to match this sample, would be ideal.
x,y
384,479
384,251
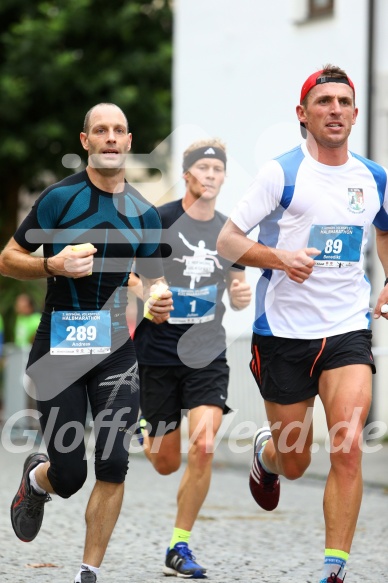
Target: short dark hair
x,y
329,71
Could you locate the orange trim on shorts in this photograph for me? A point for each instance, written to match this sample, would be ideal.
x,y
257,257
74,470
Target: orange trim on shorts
x,y
256,364
318,356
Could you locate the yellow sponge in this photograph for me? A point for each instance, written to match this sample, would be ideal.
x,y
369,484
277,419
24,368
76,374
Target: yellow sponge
x,y
83,247
155,295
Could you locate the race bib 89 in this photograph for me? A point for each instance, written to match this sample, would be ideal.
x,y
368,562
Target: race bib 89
x,y
340,245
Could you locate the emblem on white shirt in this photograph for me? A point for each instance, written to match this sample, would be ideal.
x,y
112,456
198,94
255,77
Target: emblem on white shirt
x,y
356,200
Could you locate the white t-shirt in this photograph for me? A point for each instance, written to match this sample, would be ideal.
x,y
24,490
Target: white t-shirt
x,y
298,202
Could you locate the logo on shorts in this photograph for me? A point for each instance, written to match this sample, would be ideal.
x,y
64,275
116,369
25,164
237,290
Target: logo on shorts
x,y
356,200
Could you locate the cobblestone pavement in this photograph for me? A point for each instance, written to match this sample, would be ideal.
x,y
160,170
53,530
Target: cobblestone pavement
x,y
233,538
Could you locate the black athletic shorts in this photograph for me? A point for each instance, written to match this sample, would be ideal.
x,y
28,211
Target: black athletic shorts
x,y
64,385
168,392
287,370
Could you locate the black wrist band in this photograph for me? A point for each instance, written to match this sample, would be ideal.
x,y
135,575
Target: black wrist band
x,y
386,281
46,267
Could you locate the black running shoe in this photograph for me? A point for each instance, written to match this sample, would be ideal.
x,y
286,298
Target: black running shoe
x,y
180,562
88,577
27,507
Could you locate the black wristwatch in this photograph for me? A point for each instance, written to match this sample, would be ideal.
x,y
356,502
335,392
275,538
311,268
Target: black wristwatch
x,y
46,267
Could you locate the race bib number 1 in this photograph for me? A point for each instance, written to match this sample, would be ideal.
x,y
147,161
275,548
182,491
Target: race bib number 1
x,y
78,333
340,245
193,306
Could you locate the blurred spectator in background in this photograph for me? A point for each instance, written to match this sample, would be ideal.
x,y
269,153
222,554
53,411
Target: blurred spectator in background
x,y
1,336
27,320
1,356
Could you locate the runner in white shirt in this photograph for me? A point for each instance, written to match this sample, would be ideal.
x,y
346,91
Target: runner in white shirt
x,y
334,215
315,206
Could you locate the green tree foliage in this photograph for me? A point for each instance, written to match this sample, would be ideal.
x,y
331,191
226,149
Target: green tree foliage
x,y
58,58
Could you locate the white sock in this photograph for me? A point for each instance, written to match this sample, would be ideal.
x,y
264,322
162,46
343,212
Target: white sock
x,y
260,458
85,567
34,483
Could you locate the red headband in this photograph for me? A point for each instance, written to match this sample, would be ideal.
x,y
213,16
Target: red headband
x,y
314,80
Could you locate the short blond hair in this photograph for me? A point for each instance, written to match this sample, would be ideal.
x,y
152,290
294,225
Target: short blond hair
x,y
209,143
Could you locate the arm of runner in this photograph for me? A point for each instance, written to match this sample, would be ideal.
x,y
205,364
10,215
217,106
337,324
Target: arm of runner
x,y
233,244
17,262
135,286
382,252
240,293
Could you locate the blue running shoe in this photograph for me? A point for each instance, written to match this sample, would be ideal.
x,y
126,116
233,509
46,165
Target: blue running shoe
x,y
180,562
